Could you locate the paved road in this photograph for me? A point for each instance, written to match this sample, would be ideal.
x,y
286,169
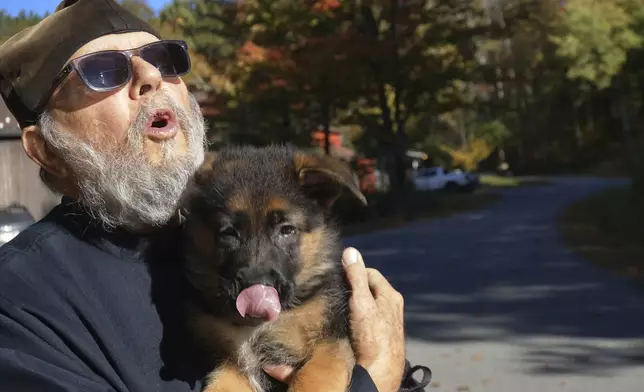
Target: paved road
x,y
495,302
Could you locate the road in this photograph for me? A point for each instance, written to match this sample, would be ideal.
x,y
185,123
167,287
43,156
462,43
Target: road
x,y
495,302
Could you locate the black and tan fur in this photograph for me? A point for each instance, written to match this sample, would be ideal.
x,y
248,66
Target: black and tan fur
x,y
261,215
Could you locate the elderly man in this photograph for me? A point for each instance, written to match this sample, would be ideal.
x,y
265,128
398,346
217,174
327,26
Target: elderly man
x,y
84,304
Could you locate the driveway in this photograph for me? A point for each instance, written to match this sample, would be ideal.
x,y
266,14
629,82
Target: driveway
x,y
495,302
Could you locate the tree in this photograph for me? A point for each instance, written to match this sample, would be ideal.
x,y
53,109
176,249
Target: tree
x,y
424,65
10,26
140,8
595,38
449,75
318,49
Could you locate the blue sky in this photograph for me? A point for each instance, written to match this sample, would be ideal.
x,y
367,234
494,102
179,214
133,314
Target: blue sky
x,y
42,6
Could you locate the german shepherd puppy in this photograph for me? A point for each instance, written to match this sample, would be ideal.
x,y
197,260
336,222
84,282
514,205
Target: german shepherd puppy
x,y
264,265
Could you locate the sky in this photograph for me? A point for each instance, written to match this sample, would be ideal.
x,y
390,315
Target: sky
x,y
42,6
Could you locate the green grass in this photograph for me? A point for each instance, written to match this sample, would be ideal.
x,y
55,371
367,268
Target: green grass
x,y
494,181
499,181
607,230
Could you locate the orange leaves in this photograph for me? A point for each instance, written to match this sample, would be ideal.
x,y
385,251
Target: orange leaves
x,y
326,5
251,53
279,82
298,106
300,53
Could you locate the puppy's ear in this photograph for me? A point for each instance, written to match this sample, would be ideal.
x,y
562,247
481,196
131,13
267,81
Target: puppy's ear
x,y
197,183
204,172
324,178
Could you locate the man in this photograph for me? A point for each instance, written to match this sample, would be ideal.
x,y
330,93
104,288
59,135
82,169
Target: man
x,y
108,119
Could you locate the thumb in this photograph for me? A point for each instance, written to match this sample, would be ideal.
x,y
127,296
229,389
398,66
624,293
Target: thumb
x,y
356,273
281,373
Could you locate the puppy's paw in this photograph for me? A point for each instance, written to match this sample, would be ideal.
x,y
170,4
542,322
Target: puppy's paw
x,y
227,378
328,370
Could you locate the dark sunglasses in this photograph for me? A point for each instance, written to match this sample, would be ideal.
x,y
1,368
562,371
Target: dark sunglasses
x,y
111,69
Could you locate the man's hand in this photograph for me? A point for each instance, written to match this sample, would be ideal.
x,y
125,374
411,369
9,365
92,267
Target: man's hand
x,y
376,319
376,323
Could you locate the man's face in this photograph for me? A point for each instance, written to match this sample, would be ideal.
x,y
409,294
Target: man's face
x,y
130,151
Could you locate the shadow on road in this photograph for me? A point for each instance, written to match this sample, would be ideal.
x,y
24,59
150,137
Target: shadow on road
x,y
503,275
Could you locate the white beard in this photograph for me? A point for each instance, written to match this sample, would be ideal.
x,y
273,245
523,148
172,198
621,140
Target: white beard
x,y
120,188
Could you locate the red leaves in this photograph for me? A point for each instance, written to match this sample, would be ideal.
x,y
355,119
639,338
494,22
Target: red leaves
x,y
326,5
251,53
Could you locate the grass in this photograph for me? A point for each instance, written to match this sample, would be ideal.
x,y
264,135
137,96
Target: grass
x,y
495,181
499,181
605,228
425,205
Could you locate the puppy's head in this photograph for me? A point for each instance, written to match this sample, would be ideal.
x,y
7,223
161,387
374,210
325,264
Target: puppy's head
x,y
258,236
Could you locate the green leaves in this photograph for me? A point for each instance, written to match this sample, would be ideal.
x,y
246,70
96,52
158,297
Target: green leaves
x,y
10,26
595,38
544,80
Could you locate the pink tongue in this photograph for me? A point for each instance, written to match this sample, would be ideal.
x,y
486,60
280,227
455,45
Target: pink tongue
x,y
259,301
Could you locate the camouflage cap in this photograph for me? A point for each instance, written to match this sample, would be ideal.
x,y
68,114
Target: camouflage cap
x,y
31,60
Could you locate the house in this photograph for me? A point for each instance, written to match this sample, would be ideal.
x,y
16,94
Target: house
x,y
336,149
371,179
19,180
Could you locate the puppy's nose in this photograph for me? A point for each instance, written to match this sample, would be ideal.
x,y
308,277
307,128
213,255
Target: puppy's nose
x,y
254,275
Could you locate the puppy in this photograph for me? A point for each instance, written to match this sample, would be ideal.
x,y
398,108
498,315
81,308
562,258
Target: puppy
x,y
263,264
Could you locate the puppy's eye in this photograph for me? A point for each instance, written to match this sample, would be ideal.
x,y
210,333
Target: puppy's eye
x,y
228,231
287,230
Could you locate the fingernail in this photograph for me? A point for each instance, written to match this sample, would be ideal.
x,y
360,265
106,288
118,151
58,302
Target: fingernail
x,y
350,256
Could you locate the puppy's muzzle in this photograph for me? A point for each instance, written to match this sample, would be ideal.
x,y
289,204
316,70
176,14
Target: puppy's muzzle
x,y
247,277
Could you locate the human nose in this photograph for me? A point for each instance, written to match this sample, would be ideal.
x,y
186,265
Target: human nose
x,y
146,78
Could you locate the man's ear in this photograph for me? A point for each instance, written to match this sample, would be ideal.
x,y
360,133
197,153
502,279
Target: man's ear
x,y
37,149
323,178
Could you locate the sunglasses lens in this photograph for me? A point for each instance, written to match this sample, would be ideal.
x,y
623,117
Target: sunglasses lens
x,y
171,58
104,71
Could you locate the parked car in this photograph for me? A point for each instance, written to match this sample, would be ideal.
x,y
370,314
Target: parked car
x,y
13,219
437,179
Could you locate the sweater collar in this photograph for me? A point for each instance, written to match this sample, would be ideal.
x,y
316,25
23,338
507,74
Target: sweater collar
x,y
117,241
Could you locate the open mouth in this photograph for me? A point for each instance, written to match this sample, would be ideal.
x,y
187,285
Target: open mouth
x,y
162,124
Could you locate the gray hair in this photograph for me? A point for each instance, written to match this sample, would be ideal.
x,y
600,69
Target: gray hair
x,y
118,186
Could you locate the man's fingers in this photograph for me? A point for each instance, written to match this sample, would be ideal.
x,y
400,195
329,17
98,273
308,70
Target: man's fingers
x,y
281,373
381,288
378,284
356,273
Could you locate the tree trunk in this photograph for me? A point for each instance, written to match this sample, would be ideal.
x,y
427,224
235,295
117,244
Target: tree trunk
x,y
626,132
399,141
392,129
622,93
326,124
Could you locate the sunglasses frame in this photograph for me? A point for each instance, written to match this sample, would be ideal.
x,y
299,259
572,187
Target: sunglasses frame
x,y
73,65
